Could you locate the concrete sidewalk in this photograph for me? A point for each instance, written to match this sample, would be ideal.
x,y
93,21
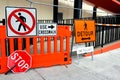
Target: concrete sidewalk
x,y
103,67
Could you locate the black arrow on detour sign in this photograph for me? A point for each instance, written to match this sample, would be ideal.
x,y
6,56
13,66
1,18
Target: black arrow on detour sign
x,y
51,26
88,38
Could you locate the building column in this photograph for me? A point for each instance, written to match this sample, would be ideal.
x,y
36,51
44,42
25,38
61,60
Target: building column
x,y
77,9
55,11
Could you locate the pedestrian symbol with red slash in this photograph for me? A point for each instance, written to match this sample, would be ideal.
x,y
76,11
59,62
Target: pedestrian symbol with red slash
x,y
20,21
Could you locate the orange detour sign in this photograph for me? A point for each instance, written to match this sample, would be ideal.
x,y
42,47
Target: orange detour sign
x,y
84,31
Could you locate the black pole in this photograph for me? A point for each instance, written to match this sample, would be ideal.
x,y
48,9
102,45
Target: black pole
x,y
94,15
102,36
94,12
77,15
78,9
102,43
55,11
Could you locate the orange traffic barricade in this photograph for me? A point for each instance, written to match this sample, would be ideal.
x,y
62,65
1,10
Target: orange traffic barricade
x,y
44,50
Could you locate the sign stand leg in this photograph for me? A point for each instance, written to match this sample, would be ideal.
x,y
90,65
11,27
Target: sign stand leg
x,y
92,55
72,40
78,57
92,52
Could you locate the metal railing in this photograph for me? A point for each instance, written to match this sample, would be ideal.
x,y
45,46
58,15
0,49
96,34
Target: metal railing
x,y
104,35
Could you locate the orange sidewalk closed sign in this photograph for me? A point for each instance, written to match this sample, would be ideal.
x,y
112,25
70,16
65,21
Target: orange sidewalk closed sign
x,y
84,31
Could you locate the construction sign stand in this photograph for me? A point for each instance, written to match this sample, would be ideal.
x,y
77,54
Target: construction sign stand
x,y
84,32
81,50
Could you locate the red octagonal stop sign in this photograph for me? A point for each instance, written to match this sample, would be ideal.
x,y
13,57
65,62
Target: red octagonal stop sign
x,y
19,61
